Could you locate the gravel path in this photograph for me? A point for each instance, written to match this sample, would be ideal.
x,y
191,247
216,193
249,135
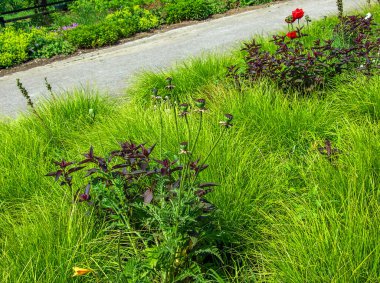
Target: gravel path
x,y
110,69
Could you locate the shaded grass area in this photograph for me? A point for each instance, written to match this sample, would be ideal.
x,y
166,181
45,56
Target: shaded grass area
x,y
293,214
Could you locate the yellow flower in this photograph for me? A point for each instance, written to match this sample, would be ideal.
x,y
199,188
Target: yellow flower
x,y
81,271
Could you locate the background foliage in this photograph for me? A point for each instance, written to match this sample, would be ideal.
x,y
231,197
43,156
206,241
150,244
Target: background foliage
x,y
95,23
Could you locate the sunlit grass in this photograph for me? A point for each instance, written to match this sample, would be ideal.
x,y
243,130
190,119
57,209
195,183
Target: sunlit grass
x,y
292,214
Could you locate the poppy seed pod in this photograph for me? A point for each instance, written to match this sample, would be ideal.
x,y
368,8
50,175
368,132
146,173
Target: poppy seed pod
x,y
200,103
184,107
289,19
228,117
184,145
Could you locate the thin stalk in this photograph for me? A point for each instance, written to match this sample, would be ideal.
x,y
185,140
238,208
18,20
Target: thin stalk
x,y
214,146
176,122
339,4
186,169
161,130
198,132
208,155
188,130
118,252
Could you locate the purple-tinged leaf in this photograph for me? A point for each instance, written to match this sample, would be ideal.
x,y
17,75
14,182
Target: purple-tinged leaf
x,y
151,172
84,197
206,205
176,168
58,175
137,172
148,196
52,173
87,189
91,171
90,154
118,166
63,163
328,147
75,169
85,161
201,193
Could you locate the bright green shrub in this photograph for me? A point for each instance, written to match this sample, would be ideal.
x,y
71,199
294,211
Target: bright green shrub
x,y
124,22
44,44
18,46
128,21
187,10
96,35
13,47
146,20
220,6
56,47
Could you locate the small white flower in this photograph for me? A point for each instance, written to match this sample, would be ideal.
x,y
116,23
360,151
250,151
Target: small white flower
x,y
368,16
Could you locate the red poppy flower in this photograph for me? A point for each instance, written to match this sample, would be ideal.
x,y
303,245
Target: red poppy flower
x,y
297,14
292,34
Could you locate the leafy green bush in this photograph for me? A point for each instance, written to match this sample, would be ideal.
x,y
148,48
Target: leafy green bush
x,y
18,46
96,35
47,44
13,46
146,20
122,23
187,10
128,21
221,6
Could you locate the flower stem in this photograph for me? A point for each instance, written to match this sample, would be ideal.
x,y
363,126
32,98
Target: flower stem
x,y
161,130
199,130
214,146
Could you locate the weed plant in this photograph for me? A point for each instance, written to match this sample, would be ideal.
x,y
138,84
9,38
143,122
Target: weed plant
x,y
158,203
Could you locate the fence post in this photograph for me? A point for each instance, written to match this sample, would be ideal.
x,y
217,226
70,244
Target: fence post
x,y
43,4
2,22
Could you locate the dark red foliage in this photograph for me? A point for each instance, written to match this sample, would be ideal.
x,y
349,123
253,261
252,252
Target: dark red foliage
x,y
132,165
296,66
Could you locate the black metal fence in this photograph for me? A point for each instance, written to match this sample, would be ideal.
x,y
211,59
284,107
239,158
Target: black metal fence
x,y
38,10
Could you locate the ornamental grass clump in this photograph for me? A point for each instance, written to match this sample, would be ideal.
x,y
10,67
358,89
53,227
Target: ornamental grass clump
x,y
299,65
155,203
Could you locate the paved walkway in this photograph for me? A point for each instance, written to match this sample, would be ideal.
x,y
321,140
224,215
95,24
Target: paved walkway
x,y
110,69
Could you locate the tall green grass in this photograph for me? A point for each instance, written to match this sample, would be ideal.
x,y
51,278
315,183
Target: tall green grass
x,y
291,213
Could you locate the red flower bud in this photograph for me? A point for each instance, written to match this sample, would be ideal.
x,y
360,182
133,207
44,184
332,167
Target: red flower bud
x,y
297,14
289,19
292,34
